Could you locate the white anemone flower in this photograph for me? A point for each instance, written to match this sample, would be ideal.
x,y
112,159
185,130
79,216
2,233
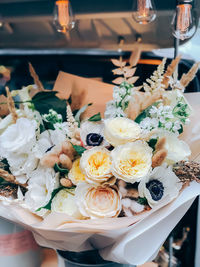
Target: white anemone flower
x,y
91,134
162,185
41,184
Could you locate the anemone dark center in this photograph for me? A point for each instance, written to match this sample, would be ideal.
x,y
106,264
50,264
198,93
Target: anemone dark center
x,y
156,189
94,139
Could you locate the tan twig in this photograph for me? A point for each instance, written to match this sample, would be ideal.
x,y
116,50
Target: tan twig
x,y
35,77
10,178
170,70
188,77
11,105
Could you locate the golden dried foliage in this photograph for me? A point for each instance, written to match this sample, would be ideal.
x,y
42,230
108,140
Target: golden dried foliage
x,y
11,105
188,77
35,77
126,71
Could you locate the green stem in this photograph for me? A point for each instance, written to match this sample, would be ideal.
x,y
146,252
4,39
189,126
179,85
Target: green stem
x,y
17,102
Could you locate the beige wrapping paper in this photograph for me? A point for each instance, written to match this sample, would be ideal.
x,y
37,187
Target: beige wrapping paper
x,y
120,239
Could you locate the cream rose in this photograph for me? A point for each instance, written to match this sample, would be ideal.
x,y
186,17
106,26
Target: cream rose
x,y
131,162
120,131
19,137
95,163
75,174
177,149
161,185
98,201
64,202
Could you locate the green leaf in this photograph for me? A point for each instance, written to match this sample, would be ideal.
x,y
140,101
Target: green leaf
x,y
80,111
53,194
152,143
96,117
142,201
44,101
57,168
1,180
48,125
141,116
5,165
79,149
181,129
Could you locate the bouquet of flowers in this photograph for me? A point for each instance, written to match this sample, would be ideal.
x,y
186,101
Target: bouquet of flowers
x,y
59,165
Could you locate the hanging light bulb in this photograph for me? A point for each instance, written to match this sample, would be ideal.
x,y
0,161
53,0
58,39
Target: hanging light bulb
x,y
183,23
63,16
144,11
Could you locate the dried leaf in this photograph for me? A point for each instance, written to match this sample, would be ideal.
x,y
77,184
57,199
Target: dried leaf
x,y
118,80
117,71
138,88
35,77
129,72
188,77
118,63
133,80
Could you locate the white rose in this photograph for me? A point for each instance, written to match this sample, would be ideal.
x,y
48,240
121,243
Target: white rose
x,y
95,163
177,149
131,162
64,202
43,144
21,165
120,131
19,137
161,185
98,201
5,122
41,184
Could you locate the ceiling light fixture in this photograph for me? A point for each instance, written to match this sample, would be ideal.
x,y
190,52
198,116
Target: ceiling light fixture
x,y
183,21
144,11
63,16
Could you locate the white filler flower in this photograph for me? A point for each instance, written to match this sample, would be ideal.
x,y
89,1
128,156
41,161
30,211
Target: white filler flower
x,y
120,131
64,202
98,201
131,162
161,185
41,184
95,163
19,137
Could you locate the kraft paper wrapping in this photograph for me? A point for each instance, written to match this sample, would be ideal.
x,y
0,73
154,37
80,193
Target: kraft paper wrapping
x,y
132,240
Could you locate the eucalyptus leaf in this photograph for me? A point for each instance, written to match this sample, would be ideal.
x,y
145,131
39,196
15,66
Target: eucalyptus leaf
x,y
45,100
142,201
57,168
152,143
79,149
80,111
96,117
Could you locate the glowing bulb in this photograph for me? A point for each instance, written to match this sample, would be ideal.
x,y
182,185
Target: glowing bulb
x,y
183,22
144,11
63,16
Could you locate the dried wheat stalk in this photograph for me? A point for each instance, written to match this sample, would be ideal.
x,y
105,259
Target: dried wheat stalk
x,y
170,70
11,105
35,77
10,178
188,77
